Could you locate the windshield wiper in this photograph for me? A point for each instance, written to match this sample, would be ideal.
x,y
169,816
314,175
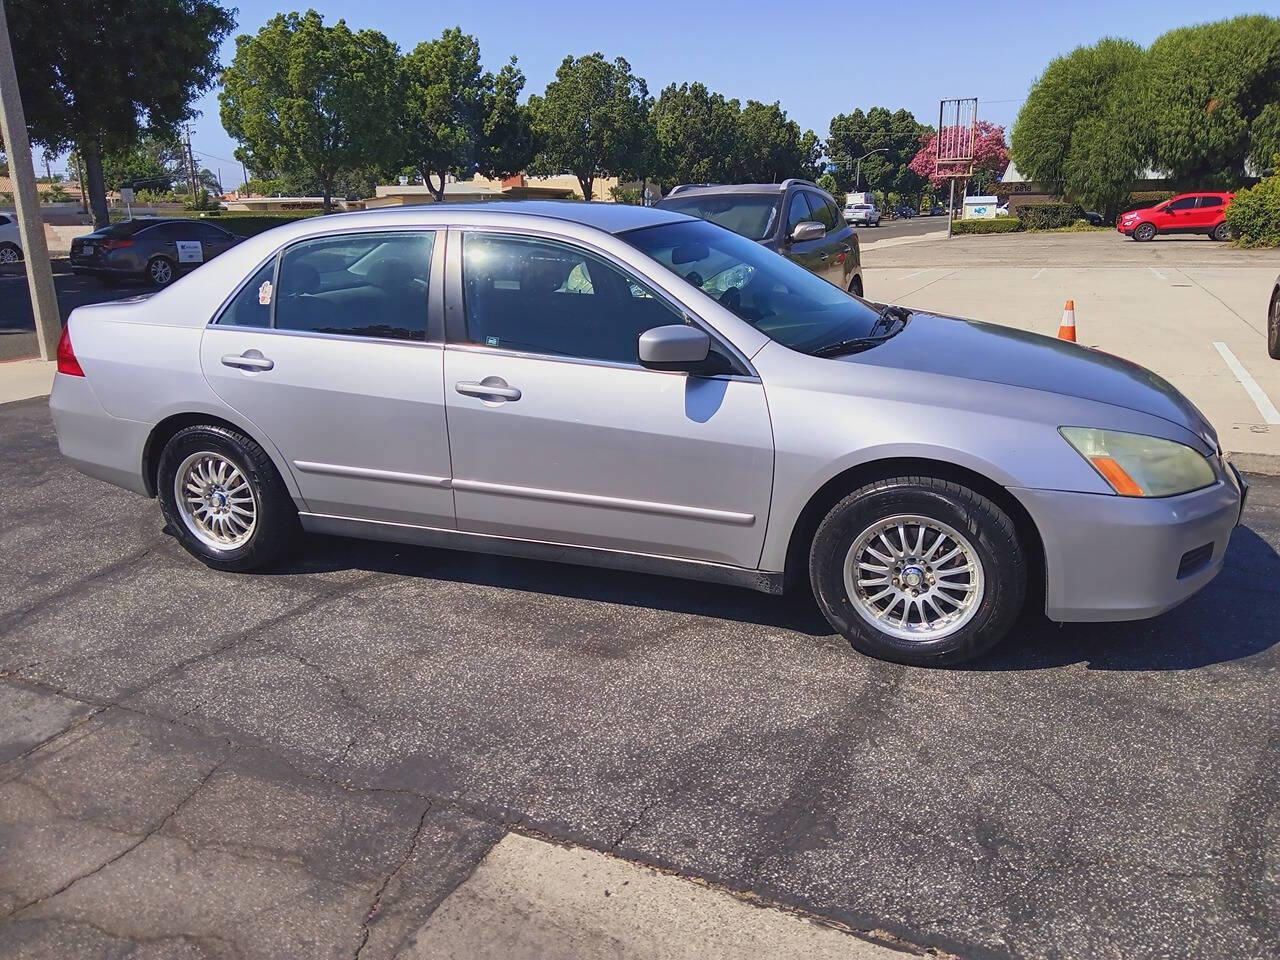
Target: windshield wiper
x,y
885,321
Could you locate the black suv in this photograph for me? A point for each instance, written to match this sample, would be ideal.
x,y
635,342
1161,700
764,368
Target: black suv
x,y
795,218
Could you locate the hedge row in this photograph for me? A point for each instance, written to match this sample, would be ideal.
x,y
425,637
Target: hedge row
x,y
1049,216
997,225
250,224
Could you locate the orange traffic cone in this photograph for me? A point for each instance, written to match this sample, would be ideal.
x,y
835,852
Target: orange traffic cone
x,y
1067,329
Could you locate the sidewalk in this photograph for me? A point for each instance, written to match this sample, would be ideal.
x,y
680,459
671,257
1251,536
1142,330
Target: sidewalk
x,y
20,379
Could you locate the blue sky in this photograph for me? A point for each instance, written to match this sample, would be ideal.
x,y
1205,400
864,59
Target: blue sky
x,y
911,53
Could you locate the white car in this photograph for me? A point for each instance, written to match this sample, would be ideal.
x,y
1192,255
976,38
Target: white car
x,y
862,214
10,242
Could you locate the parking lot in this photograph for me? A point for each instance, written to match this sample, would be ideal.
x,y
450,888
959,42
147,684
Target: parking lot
x,y
351,754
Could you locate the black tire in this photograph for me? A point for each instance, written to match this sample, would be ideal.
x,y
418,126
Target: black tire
x,y
276,526
1144,232
1222,232
161,271
10,253
1273,326
990,534
855,287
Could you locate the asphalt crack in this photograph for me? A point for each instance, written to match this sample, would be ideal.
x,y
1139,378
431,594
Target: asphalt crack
x,y
376,905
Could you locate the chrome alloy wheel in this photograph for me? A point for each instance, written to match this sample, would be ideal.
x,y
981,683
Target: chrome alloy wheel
x,y
161,272
9,255
216,501
914,578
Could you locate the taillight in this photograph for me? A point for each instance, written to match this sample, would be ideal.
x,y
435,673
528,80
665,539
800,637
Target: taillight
x,y
67,362
116,244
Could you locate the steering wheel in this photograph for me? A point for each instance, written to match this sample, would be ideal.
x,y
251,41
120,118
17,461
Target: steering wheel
x,y
731,298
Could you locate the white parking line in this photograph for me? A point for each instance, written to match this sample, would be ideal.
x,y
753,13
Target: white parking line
x,y
1157,273
1036,275
916,274
1260,400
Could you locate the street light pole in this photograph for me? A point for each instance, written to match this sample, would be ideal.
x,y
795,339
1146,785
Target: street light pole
x,y
858,175
35,252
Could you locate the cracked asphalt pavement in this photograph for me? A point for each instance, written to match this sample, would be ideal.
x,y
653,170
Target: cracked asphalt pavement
x,y
306,763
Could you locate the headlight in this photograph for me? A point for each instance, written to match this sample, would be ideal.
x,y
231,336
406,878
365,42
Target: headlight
x,y
1140,466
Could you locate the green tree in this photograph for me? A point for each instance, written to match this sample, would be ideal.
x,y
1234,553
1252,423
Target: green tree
x,y
770,147
97,74
895,137
1079,126
153,163
303,98
695,131
1205,88
458,119
592,121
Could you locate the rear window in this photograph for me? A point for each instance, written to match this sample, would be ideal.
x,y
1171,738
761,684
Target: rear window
x,y
752,215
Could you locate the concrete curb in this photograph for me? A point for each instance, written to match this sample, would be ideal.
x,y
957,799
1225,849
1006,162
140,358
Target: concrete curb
x,y
1264,464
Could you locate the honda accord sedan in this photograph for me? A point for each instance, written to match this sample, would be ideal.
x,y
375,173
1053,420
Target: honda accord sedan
x,y
637,389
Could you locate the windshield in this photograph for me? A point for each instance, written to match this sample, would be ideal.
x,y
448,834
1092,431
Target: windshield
x,y
784,301
750,214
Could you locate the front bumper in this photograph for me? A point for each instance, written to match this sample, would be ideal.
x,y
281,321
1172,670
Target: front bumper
x,y
1127,558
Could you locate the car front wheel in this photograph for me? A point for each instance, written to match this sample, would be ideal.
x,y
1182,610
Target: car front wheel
x,y
223,499
918,570
1144,232
1273,326
161,271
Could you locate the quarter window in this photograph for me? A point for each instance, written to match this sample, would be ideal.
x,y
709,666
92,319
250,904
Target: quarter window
x,y
365,285
251,307
539,296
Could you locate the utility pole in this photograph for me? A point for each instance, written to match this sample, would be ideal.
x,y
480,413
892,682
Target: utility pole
x,y
35,252
84,199
191,161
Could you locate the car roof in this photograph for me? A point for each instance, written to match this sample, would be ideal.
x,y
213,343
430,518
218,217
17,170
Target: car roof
x,y
609,217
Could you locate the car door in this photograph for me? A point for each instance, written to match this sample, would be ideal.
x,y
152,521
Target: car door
x,y
809,253
558,434
326,350
839,239
213,240
1178,216
1208,212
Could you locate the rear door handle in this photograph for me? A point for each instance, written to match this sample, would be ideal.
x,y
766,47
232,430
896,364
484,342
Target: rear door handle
x,y
249,360
490,388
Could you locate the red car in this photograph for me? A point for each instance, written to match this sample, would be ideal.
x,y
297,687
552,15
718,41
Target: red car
x,y
1185,213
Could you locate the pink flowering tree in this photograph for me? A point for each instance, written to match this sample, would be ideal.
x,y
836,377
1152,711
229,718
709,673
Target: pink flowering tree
x,y
990,155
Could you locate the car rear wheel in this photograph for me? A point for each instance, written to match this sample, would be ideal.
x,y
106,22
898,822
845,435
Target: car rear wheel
x,y
223,499
918,570
1144,232
9,253
161,271
1221,232
1273,326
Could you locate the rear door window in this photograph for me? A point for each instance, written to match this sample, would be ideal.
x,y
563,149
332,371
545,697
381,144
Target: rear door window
x,y
1210,201
365,285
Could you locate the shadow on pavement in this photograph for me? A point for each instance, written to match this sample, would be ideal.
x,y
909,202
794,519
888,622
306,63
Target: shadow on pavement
x,y
1233,618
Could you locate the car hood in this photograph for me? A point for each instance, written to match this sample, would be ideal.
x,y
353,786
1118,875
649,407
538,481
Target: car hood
x,y
982,351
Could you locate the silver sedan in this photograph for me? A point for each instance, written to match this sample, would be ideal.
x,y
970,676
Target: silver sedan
x,y
633,388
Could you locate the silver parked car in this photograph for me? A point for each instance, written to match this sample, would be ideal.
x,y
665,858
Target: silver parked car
x,y
637,389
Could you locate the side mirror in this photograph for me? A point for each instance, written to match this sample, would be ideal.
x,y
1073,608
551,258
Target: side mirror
x,y
673,347
808,230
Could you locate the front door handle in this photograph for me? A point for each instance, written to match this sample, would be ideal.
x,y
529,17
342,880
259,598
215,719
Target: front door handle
x,y
249,360
490,388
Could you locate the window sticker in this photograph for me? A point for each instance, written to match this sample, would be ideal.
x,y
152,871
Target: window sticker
x,y
264,294
190,251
